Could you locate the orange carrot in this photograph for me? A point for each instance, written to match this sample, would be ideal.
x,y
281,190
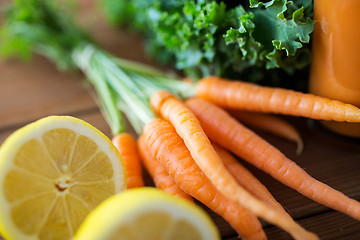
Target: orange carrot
x,y
270,124
189,129
249,96
169,149
158,173
230,134
246,179
126,145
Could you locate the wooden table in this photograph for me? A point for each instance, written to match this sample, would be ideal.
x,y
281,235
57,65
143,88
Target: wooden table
x,y
29,91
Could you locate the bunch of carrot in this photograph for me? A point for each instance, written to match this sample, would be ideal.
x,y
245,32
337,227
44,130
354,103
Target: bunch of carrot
x,y
176,149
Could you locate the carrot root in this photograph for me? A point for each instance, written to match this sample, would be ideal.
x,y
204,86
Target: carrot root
x,y
249,96
162,179
218,124
246,179
189,129
168,148
126,145
270,124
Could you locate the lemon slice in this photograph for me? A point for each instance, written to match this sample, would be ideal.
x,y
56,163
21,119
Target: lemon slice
x,y
53,172
147,213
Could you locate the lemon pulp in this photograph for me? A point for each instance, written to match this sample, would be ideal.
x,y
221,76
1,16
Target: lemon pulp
x,y
156,225
55,177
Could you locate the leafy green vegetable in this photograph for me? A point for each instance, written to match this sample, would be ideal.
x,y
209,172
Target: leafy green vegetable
x,y
284,34
210,37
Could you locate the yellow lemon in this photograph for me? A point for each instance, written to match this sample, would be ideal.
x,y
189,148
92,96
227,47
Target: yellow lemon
x,y
53,172
147,213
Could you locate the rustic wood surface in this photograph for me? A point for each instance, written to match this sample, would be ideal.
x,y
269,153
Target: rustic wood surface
x,y
29,91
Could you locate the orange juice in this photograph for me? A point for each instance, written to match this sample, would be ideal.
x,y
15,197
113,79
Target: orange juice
x,y
335,69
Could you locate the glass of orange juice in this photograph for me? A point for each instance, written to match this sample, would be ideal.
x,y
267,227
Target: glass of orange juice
x,y
335,69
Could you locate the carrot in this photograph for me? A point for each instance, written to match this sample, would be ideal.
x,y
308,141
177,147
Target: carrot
x,y
230,134
189,129
126,145
249,96
169,149
270,124
246,179
162,179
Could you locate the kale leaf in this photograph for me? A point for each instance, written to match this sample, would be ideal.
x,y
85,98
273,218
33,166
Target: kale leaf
x,y
253,40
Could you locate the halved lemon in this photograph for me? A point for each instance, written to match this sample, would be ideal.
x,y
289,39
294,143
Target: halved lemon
x,y
147,213
53,172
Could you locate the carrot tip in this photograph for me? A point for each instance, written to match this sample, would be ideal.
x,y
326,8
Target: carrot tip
x,y
305,235
300,147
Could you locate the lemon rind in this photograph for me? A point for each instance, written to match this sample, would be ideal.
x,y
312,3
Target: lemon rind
x,y
35,130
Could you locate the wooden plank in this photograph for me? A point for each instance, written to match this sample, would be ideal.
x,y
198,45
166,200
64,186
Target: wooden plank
x,y
328,226
34,90
92,116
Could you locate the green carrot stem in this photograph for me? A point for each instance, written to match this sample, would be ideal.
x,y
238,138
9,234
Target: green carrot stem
x,y
107,97
137,67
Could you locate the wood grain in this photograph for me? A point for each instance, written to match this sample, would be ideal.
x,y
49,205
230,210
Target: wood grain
x,y
329,226
34,90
